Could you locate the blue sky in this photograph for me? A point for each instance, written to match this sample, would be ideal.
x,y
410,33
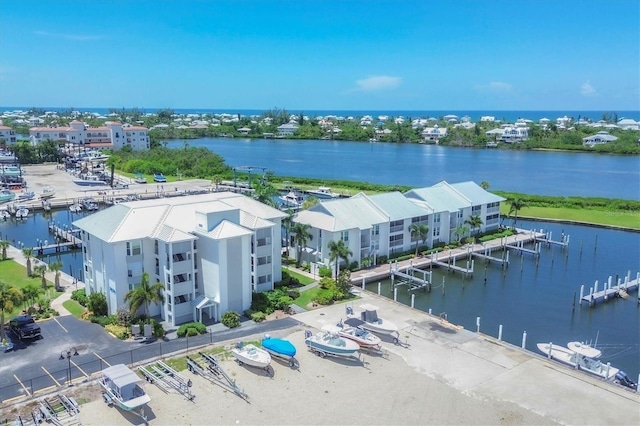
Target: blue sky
x,y
322,55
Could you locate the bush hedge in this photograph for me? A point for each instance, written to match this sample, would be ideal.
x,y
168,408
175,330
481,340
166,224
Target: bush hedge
x,y
191,329
231,319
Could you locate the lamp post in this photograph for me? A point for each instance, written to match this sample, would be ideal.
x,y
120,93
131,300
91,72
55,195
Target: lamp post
x,y
67,354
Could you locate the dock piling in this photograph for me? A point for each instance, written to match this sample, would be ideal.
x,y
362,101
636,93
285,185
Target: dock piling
x,y
550,349
500,333
524,339
379,287
413,300
477,324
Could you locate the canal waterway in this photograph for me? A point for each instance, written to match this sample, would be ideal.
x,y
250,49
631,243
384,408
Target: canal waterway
x,y
531,172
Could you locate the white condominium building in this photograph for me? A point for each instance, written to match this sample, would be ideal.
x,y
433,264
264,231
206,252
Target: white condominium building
x,y
210,252
112,135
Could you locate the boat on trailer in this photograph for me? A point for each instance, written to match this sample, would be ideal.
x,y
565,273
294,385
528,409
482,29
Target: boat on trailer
x,y
122,387
330,343
280,348
251,355
362,337
369,320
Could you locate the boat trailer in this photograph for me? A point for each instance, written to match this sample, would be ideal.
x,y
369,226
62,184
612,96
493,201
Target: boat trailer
x,y
166,378
209,367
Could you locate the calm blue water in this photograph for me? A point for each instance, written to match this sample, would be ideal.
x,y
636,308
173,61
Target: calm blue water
x,y
537,297
505,116
530,172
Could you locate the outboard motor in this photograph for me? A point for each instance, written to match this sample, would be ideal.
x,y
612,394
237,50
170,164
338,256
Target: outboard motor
x,y
623,379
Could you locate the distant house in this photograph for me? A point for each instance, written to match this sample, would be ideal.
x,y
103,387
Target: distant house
x,y
7,136
244,130
513,134
598,138
434,133
629,124
287,129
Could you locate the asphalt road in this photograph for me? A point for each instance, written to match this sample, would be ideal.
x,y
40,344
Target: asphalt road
x,y
48,362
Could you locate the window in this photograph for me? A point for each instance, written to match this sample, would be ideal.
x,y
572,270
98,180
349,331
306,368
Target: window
x,y
129,273
396,240
264,279
134,248
475,210
436,218
183,298
396,226
264,260
375,230
344,236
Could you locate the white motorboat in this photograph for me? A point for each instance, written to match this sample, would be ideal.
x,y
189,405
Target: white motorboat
x,y
26,195
559,353
89,180
330,343
323,192
122,387
362,337
372,322
588,361
251,355
140,178
292,199
22,212
4,214
75,208
581,356
47,192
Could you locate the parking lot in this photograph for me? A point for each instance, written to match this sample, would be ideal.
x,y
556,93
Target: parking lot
x,y
35,367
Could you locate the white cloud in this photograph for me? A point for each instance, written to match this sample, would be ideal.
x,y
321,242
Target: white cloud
x,y
73,37
495,86
377,82
587,89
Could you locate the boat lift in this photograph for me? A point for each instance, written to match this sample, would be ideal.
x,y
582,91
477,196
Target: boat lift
x,y
166,378
209,367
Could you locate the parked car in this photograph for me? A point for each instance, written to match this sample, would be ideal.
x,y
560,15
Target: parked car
x,y
24,327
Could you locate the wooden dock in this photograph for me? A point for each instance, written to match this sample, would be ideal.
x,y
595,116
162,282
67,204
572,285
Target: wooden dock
x,y
610,290
65,240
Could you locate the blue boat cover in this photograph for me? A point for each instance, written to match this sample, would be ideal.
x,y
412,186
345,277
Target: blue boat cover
x,y
280,346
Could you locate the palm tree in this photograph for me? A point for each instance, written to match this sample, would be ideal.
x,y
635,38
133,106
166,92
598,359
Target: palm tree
x,y
4,244
460,231
484,185
309,202
264,192
337,251
30,293
216,180
287,223
144,295
9,297
40,270
56,267
303,236
28,254
475,222
516,205
419,232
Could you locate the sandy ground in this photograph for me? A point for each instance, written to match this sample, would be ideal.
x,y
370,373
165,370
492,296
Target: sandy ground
x,y
371,390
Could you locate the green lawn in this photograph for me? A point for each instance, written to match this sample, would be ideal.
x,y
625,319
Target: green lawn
x,y
625,219
306,297
304,280
15,275
74,307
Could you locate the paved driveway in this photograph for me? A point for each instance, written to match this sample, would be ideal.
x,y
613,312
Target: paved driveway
x,y
35,366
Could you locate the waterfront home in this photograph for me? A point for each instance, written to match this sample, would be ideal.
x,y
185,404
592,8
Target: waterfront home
x,y
434,134
628,124
598,138
511,134
378,225
209,251
287,129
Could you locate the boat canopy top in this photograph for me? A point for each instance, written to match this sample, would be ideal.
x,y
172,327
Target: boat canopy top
x,y
584,350
121,375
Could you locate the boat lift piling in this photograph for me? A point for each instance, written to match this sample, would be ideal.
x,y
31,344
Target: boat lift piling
x,y
410,279
486,255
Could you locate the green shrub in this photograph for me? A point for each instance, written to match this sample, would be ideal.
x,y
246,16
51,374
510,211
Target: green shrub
x,y
98,304
293,293
260,302
231,319
103,320
258,316
158,330
80,296
354,266
325,272
191,329
324,297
